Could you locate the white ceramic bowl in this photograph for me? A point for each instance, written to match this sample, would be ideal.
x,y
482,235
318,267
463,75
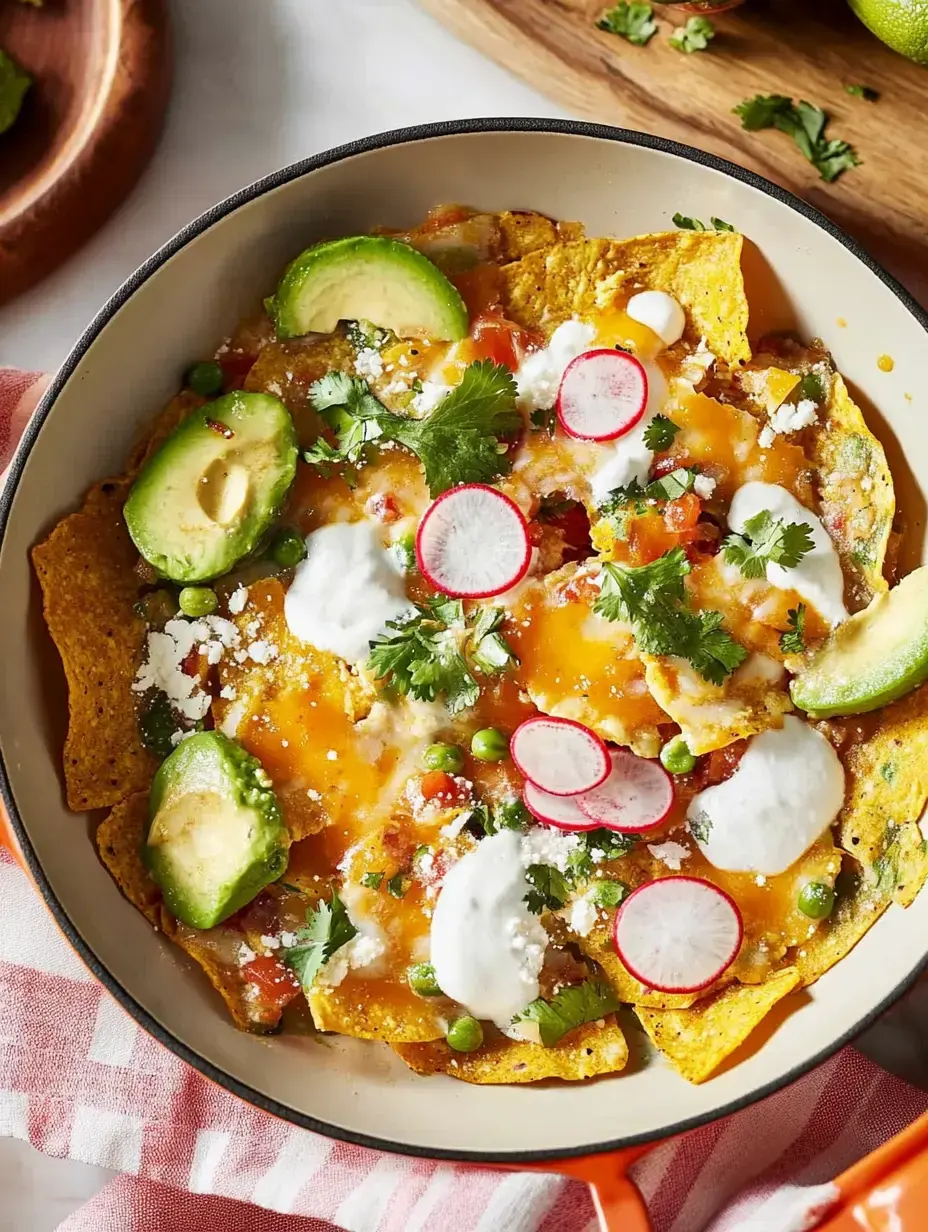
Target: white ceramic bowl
x,y
803,272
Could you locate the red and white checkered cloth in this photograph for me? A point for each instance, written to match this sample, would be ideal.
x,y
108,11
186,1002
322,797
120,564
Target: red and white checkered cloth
x,y
79,1080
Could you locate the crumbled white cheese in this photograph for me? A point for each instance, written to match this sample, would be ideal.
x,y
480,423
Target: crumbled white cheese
x,y
429,397
540,372
167,651
332,755
789,418
580,916
767,437
369,364
669,853
228,693
363,950
552,847
237,600
270,943
245,954
262,651
704,486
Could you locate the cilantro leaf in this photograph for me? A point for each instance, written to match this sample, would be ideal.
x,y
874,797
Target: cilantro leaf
x,y
457,443
651,599
685,223
490,651
660,433
569,1008
508,815
607,844
550,888
14,85
700,823
608,893
544,420
634,22
793,641
694,36
398,885
805,123
372,880
812,387
421,658
670,487
328,929
768,540
719,224
865,92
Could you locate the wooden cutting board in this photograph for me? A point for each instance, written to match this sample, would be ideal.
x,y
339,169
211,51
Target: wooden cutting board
x,y
808,49
88,126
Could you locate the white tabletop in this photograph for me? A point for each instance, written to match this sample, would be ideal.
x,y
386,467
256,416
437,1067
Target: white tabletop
x,y
259,83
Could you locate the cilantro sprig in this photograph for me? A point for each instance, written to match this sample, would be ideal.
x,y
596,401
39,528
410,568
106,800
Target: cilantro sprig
x,y
793,641
806,124
328,929
507,815
651,598
633,22
457,443
550,888
768,540
694,36
659,434
685,223
424,655
569,1008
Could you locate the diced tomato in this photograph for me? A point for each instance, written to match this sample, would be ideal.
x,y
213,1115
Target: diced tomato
x,y
501,341
574,523
580,589
191,664
682,514
663,466
260,916
276,984
235,367
536,533
707,541
384,507
437,785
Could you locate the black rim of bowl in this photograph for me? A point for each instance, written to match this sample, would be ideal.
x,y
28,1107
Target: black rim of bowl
x,y
130,286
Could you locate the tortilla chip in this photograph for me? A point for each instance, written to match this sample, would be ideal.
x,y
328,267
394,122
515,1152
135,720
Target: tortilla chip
x,y
119,840
523,231
858,906
287,369
858,502
697,1040
583,1053
89,588
368,1009
701,269
597,945
712,716
886,797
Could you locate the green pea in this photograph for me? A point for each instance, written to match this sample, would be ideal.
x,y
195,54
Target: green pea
x,y
197,601
422,981
608,893
489,744
465,1034
676,757
447,757
205,379
816,900
288,547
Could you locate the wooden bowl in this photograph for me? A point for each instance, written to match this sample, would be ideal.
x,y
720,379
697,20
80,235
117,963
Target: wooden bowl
x,y
89,124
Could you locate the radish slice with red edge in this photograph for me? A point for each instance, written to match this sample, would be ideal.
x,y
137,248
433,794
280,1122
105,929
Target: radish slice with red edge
x,y
560,756
562,812
473,542
636,797
678,934
602,395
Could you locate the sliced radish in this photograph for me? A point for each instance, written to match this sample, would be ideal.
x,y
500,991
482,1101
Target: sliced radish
x,y
678,934
560,811
602,395
560,756
637,795
473,542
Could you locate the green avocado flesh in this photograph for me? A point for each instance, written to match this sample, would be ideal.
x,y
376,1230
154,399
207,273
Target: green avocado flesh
x,y
210,492
216,837
368,278
873,658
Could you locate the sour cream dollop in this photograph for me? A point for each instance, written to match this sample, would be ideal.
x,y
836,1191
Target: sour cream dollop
x,y
817,577
786,791
628,457
345,591
486,946
660,312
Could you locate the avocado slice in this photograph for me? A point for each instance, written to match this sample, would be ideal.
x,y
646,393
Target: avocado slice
x,y
205,498
217,837
871,659
367,278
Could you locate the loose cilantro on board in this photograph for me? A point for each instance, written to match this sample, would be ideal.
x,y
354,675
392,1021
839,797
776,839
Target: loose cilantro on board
x,y
457,443
633,22
328,929
694,36
651,599
805,123
685,223
659,434
569,1008
767,540
793,641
